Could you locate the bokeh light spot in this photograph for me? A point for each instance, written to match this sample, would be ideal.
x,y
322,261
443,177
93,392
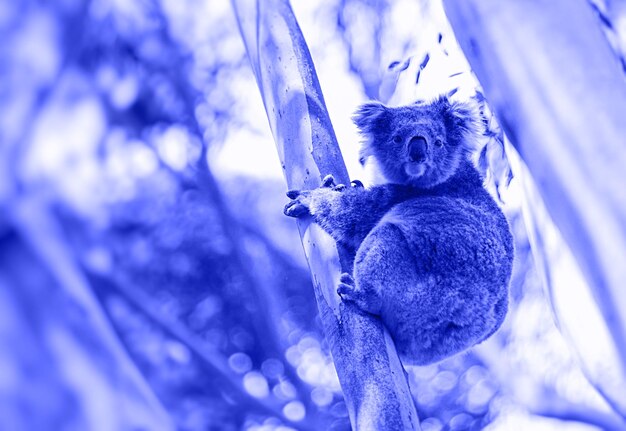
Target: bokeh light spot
x,y
294,411
256,384
240,362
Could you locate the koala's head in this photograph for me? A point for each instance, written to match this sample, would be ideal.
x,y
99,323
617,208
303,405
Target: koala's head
x,y
420,144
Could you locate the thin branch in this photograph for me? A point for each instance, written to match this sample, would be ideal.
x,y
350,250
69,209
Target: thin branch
x,y
225,378
44,236
576,412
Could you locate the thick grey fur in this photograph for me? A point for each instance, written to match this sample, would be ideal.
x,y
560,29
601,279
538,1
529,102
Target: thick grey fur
x,y
433,250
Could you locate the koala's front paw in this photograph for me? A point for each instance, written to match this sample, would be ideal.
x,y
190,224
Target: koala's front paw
x,y
299,206
308,202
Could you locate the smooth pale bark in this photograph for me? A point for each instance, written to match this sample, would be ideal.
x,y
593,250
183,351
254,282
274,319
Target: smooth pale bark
x,y
558,90
373,381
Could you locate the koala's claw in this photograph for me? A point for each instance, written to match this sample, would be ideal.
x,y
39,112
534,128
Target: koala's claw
x,y
328,181
295,208
356,183
347,287
345,290
339,187
350,292
293,194
346,277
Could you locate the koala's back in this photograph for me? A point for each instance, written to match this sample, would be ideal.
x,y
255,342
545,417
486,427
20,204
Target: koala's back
x,y
455,251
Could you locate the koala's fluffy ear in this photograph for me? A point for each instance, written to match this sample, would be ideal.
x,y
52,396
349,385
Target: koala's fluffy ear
x,y
463,121
371,117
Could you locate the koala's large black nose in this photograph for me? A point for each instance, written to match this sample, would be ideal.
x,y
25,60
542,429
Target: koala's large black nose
x,y
417,148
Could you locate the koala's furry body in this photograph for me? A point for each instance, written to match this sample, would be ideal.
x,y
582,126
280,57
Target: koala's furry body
x,y
433,251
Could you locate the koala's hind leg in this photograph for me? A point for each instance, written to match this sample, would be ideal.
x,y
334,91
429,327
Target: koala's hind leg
x,y
372,270
384,269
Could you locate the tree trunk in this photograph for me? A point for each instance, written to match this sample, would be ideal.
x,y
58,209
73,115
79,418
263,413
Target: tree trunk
x,y
372,378
559,93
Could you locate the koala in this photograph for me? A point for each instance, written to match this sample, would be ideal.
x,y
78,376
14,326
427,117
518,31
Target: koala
x,y
432,250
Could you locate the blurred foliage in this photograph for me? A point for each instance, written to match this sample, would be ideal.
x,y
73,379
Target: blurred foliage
x,y
112,110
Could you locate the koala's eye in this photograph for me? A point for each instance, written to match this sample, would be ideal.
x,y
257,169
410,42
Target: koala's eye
x,y
439,143
397,139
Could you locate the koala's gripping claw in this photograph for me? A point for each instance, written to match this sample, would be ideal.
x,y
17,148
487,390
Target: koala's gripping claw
x,y
356,183
342,187
350,292
293,194
346,286
328,181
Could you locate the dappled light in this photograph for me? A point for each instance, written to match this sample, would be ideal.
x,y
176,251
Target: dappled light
x,y
150,280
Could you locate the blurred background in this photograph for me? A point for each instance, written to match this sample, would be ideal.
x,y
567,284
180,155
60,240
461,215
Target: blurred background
x,y
148,279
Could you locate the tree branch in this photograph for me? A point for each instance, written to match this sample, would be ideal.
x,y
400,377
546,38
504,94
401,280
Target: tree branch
x,y
114,368
224,377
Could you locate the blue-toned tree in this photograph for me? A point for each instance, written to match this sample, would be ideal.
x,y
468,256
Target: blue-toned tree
x,y
373,381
